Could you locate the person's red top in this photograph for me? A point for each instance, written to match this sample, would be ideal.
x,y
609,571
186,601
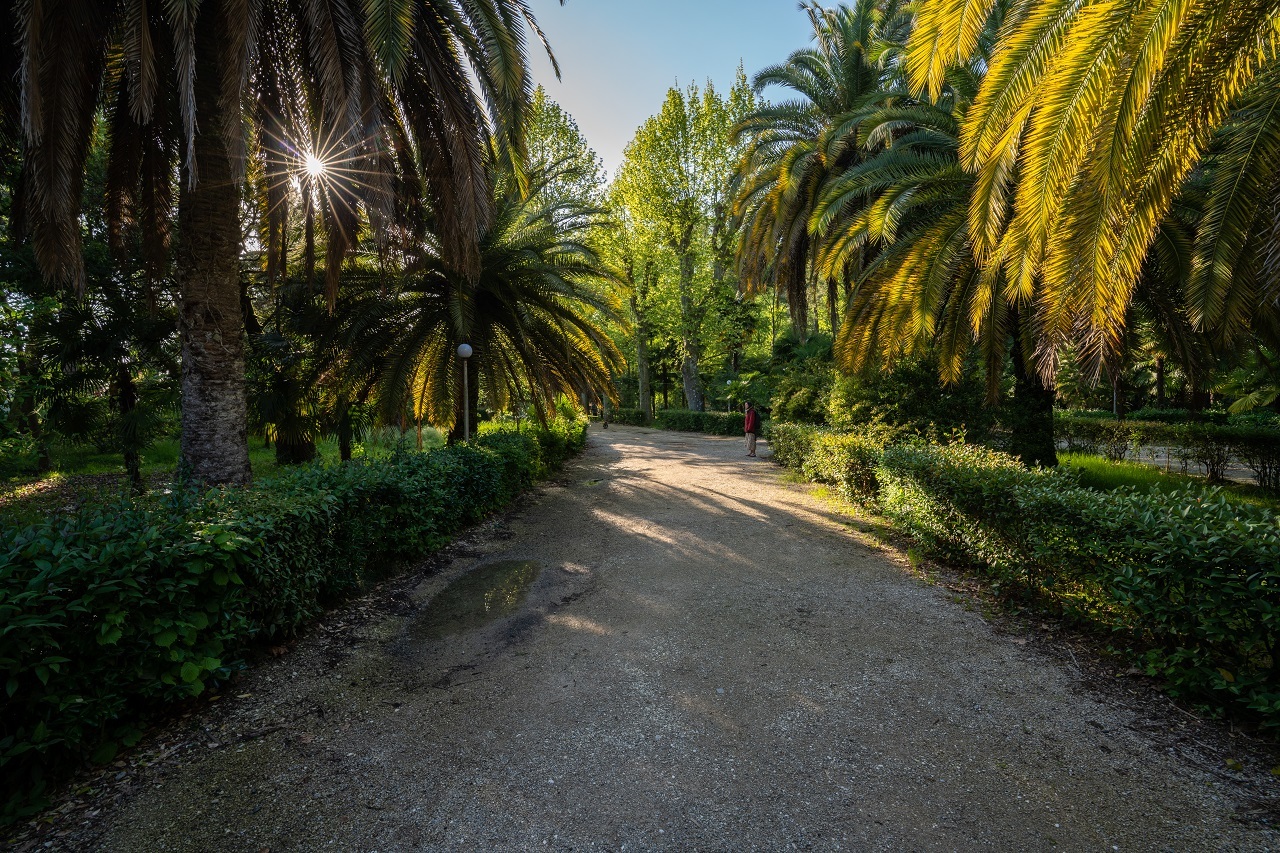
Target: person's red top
x,y
752,422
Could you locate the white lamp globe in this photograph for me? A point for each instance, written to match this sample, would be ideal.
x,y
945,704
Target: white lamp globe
x,y
464,350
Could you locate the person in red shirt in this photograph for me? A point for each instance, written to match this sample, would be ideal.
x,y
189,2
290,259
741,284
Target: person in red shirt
x,y
751,423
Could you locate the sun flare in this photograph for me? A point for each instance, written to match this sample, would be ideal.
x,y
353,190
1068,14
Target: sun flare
x,y
314,166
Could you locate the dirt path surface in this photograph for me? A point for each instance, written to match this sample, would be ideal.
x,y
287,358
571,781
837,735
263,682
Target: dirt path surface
x,y
708,659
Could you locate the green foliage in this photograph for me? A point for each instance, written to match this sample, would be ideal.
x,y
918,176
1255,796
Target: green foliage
x,y
711,423
1188,575
910,396
114,610
846,460
1255,443
801,397
631,417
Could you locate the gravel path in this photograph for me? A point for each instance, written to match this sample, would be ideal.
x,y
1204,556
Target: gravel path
x,y
709,659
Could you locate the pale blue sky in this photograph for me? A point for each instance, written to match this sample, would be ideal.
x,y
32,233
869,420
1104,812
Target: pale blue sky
x,y
619,57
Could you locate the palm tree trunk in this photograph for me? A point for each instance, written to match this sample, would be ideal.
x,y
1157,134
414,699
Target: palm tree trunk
x,y
1030,412
215,446
797,281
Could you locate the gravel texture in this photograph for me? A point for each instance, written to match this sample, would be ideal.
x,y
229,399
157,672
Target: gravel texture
x,y
710,658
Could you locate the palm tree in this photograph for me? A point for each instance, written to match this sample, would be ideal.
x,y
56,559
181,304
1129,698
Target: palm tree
x,y
794,146
1089,120
527,315
390,100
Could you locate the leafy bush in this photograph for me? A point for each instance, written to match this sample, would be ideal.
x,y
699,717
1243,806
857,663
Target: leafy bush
x,y
114,610
846,460
630,417
800,396
1253,442
711,423
909,396
1193,578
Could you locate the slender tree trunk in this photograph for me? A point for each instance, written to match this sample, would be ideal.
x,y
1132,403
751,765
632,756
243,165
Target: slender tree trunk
x,y
691,346
1029,414
1160,382
214,417
642,362
127,394
345,436
833,306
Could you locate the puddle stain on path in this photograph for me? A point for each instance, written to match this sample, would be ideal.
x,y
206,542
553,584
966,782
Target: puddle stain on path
x,y
479,597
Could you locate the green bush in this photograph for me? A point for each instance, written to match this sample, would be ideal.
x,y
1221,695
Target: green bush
x,y
711,423
846,460
115,610
630,417
1191,577
910,396
1253,442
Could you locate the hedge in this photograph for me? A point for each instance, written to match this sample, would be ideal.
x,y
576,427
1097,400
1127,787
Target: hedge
x,y
1254,443
711,423
1192,577
630,417
114,611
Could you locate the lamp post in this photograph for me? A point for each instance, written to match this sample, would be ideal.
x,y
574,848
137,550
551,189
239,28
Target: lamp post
x,y
464,353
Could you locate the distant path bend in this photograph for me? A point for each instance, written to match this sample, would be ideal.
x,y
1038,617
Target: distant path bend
x,y
709,660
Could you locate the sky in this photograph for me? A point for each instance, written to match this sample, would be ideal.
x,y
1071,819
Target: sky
x,y
618,58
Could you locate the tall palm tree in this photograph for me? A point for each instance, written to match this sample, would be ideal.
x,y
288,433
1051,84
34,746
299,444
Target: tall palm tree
x,y
387,98
794,146
527,315
1088,122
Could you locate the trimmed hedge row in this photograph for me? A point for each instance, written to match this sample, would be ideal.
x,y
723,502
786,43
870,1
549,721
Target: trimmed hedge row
x,y
1213,445
115,610
629,417
711,423
1195,577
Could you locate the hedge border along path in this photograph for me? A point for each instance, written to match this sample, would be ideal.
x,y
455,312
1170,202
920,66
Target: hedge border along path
x,y
683,420
1192,579
117,610
1252,443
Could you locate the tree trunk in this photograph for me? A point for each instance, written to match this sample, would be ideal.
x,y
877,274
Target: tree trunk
x,y
642,362
1160,382
691,346
345,436
833,306
294,450
796,279
215,446
130,441
1029,415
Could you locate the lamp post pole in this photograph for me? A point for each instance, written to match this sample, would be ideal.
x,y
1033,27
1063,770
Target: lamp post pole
x,y
464,353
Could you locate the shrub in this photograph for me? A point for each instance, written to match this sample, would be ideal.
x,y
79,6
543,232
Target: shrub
x,y
630,417
1193,578
791,443
1255,443
115,610
910,396
848,461
711,423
